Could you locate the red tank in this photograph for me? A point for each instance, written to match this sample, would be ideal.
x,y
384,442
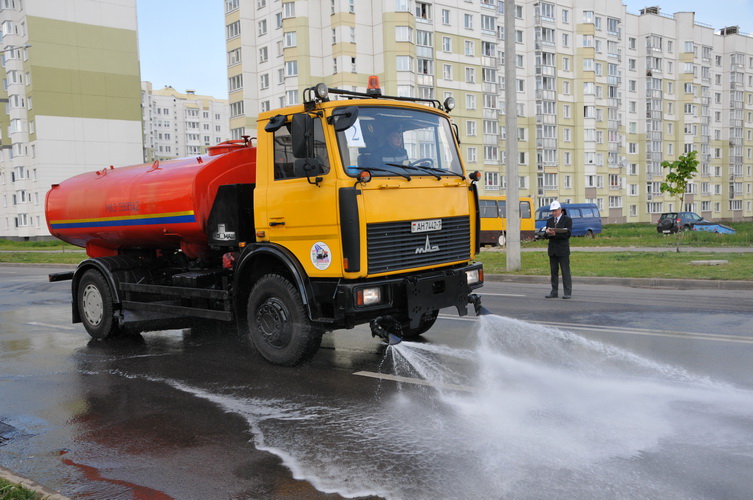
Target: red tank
x,y
164,205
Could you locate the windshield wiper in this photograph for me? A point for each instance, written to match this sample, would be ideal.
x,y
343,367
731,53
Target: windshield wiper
x,y
431,170
413,167
377,169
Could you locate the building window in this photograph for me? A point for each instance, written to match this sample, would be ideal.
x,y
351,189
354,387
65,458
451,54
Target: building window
x,y
445,16
290,39
233,30
291,68
423,11
288,9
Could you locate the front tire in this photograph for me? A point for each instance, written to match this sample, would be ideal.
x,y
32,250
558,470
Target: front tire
x,y
95,305
278,324
426,323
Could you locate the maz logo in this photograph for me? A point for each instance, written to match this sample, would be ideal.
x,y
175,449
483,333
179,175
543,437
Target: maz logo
x,y
428,247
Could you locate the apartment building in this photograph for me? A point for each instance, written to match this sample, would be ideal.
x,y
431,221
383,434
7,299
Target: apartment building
x,y
178,124
603,96
71,85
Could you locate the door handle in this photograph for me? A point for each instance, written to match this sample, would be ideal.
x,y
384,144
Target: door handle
x,y
275,223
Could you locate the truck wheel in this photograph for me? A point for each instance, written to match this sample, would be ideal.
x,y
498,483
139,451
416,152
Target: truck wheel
x,y
426,323
278,324
502,239
95,305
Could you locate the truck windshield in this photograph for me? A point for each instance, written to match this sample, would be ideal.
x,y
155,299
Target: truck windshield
x,y
393,141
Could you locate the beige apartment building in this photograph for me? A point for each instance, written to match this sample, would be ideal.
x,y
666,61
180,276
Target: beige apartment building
x,y
178,124
603,96
71,88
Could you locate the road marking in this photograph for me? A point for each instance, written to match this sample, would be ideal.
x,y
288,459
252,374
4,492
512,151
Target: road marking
x,y
35,323
627,331
415,381
504,294
652,333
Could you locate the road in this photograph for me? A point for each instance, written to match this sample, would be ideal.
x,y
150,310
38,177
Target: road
x,y
620,392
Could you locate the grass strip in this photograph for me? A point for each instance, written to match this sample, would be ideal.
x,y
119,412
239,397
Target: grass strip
x,y
13,491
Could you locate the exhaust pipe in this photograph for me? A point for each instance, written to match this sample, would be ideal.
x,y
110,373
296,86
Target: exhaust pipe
x,y
384,326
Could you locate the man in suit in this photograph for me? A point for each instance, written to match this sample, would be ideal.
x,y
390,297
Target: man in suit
x,y
558,229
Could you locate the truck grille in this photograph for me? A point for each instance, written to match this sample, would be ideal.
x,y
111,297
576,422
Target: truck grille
x,y
391,245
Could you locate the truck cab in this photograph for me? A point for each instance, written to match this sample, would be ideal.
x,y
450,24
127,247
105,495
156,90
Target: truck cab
x,y
358,210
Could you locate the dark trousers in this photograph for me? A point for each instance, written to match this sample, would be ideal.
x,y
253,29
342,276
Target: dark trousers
x,y
557,263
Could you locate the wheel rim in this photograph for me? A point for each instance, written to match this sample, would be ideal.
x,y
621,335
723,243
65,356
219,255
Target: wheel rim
x,y
272,320
501,240
93,305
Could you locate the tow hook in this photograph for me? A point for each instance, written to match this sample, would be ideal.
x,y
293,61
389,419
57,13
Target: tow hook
x,y
383,326
476,301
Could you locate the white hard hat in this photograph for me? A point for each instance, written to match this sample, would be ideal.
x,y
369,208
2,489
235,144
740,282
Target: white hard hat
x,y
555,205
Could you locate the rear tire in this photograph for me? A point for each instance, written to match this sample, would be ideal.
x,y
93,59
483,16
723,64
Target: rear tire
x,y
95,306
590,234
278,324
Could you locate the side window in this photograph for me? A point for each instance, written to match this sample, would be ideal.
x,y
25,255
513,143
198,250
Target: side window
x,y
525,210
284,159
588,213
574,213
503,209
320,146
488,209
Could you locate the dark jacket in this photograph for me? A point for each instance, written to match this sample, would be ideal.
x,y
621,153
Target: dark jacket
x,y
559,244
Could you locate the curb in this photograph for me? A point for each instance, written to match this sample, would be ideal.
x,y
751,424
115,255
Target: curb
x,y
29,484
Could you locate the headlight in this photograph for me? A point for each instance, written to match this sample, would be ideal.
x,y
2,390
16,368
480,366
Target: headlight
x,y
474,276
369,296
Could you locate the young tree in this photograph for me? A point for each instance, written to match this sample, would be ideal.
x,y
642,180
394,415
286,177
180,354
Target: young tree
x,y
680,172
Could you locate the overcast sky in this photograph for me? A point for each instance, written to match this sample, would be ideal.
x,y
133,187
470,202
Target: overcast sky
x,y
182,42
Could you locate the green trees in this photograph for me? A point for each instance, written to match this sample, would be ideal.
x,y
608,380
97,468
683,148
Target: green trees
x,y
679,173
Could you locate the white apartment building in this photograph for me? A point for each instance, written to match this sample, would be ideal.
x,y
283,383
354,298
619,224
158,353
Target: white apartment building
x,y
604,96
177,124
71,84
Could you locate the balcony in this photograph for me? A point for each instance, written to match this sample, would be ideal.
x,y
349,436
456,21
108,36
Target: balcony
x,y
546,119
425,80
490,114
546,143
546,95
546,70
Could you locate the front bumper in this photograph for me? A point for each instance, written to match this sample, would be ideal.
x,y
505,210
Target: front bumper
x,y
408,298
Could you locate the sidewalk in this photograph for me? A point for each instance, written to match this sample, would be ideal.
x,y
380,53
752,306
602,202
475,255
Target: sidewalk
x,y
638,249
675,284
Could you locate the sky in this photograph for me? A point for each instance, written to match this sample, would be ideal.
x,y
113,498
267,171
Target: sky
x,y
182,42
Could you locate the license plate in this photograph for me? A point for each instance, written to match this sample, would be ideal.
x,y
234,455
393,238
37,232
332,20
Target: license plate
x,y
423,226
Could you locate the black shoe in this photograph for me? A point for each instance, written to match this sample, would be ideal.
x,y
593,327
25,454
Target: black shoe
x,y
551,296
565,296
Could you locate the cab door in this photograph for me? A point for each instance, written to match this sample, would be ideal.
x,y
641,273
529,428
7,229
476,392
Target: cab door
x,y
299,211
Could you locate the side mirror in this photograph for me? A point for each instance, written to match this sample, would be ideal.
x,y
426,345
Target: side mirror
x,y
309,167
344,118
303,135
